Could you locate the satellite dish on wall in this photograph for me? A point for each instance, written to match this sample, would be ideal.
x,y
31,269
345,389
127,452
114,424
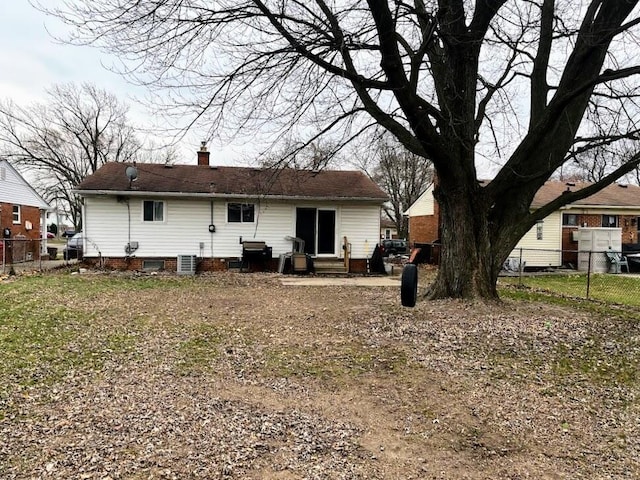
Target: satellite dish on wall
x,y
131,173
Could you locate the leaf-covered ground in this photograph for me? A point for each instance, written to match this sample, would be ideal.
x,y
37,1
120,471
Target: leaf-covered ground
x,y
236,376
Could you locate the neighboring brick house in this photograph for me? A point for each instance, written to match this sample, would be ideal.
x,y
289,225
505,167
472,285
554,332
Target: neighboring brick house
x,y
22,215
615,206
424,219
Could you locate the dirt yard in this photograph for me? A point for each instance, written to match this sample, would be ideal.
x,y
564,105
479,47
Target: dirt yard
x,y
236,376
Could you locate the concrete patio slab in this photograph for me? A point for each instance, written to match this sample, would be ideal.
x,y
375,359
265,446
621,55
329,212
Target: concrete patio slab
x,y
390,281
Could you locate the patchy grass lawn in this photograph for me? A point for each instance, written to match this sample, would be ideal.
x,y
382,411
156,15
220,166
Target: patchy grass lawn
x,y
617,289
237,376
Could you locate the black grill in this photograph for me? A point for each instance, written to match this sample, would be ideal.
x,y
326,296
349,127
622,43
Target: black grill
x,y
255,254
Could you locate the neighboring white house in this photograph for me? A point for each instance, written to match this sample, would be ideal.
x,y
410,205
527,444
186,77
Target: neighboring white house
x,y
22,213
388,229
424,205
61,219
541,246
208,211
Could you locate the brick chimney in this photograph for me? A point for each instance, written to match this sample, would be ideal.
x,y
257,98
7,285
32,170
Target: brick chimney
x,y
203,154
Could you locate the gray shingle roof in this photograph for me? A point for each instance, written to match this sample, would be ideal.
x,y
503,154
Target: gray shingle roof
x,y
230,181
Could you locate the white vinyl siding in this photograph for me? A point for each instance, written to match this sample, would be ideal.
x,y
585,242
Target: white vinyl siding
x,y
271,225
424,205
187,221
15,190
185,226
361,226
544,252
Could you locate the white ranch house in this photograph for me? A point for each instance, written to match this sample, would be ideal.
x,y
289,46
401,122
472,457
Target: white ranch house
x,y
207,212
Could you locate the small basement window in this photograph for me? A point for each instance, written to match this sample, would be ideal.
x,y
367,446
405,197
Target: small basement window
x,y
152,211
152,265
240,212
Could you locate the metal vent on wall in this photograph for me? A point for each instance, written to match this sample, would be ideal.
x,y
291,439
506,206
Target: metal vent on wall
x,y
187,264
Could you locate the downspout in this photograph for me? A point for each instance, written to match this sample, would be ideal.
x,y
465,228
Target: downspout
x,y
212,229
128,252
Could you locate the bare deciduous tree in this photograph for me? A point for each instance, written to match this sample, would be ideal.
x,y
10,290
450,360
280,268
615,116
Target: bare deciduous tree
x,y
299,154
67,138
400,173
455,81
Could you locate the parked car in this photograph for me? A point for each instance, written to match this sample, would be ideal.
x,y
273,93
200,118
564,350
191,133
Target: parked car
x,y
394,247
73,249
50,235
68,233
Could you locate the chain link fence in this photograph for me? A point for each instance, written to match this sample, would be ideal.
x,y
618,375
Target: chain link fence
x,y
605,275
25,255
608,276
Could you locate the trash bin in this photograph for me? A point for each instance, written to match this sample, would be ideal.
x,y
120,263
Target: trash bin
x,y
53,252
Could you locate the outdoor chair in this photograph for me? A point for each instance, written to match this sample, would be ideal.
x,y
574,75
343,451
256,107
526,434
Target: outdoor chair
x,y
616,261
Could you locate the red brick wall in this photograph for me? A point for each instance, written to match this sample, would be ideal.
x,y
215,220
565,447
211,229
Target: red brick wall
x,y
626,222
135,263
423,229
590,220
32,243
357,265
31,214
629,229
205,265
568,256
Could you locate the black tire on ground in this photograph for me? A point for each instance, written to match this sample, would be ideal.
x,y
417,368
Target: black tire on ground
x,y
409,285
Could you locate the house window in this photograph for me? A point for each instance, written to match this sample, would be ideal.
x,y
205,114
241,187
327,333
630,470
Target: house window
x,y
16,214
610,221
569,219
152,265
387,234
152,211
240,212
539,225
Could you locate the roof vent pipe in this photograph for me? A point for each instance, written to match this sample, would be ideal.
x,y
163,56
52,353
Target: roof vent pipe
x,y
203,154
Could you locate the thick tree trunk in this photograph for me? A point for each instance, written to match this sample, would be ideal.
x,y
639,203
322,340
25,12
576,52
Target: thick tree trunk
x,y
469,263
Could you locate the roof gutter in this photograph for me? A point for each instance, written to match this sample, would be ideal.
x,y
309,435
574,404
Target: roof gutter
x,y
583,206
133,193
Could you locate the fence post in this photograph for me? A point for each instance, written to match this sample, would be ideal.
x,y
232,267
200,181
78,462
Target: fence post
x,y
520,269
589,274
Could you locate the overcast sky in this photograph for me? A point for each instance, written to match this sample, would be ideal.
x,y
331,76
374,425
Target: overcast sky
x,y
32,61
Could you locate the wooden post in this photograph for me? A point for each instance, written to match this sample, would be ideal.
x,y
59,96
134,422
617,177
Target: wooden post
x,y
345,249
